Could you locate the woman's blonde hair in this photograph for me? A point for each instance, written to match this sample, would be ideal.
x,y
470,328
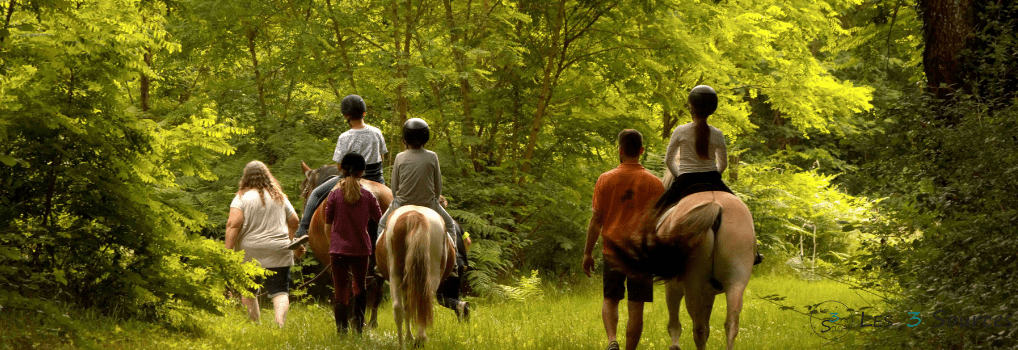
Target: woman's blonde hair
x,y
257,176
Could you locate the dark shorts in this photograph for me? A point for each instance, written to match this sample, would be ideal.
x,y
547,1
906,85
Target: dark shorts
x,y
277,281
616,283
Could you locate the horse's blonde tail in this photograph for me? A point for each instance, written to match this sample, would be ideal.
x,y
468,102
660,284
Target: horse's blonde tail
x,y
654,253
696,222
415,282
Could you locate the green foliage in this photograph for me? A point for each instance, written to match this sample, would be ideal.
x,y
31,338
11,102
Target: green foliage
x,y
136,118
947,170
528,289
800,212
95,211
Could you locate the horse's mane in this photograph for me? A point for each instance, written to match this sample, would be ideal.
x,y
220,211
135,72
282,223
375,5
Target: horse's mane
x,y
316,177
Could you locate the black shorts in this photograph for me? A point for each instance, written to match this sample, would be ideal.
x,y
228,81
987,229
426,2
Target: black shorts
x,y
277,281
616,283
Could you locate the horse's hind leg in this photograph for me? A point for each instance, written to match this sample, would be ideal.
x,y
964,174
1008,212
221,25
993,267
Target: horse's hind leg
x,y
375,283
374,288
397,309
700,303
734,301
673,297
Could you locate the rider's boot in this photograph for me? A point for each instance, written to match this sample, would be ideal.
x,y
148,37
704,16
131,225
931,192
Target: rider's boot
x,y
360,304
341,313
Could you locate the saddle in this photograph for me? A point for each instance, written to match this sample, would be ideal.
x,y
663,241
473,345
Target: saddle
x,y
697,188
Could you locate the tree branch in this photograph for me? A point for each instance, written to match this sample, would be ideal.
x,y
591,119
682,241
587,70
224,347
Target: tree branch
x,y
7,22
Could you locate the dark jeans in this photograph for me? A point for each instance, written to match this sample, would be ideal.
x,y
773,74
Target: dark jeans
x,y
449,291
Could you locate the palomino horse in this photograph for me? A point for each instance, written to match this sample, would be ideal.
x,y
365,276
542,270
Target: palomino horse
x,y
415,255
704,242
319,239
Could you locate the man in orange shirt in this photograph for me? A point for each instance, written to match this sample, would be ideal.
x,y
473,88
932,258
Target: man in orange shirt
x,y
621,195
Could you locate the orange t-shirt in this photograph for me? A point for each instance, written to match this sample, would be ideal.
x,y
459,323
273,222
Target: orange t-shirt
x,y
621,195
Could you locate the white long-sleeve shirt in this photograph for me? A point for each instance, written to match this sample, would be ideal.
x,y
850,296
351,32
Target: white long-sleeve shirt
x,y
683,144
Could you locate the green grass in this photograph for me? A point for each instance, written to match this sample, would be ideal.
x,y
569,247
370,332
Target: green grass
x,y
562,319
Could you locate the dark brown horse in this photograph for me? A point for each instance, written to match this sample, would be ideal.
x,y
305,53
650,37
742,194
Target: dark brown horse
x,y
319,239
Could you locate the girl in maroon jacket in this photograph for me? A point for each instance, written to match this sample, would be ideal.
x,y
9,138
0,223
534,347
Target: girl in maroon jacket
x,y
348,210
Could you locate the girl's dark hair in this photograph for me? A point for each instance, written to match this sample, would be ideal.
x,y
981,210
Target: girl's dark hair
x,y
352,165
703,101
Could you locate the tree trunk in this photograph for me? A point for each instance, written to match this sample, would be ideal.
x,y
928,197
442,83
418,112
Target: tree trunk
x,y
342,46
733,168
546,92
401,54
145,81
668,122
456,35
7,22
251,35
947,24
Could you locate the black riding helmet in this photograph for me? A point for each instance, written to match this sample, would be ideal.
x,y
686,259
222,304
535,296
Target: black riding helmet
x,y
415,132
352,163
704,100
353,106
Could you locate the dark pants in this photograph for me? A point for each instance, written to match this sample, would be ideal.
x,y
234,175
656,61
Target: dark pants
x,y
689,183
449,291
342,267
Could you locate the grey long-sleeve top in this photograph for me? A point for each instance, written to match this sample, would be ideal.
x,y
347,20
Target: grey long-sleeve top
x,y
416,177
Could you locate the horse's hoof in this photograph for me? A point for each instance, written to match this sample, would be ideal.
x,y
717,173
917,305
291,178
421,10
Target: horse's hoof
x,y
674,347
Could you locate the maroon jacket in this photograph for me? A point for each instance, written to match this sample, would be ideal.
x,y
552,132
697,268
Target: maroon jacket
x,y
349,222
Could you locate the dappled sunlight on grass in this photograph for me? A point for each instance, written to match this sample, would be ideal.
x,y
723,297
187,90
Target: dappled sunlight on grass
x,y
561,320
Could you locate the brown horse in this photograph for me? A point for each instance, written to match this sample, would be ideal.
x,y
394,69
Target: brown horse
x,y
319,239
415,255
703,246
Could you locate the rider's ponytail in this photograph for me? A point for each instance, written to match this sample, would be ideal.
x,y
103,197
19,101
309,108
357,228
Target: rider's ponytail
x,y
703,101
702,138
352,165
351,189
